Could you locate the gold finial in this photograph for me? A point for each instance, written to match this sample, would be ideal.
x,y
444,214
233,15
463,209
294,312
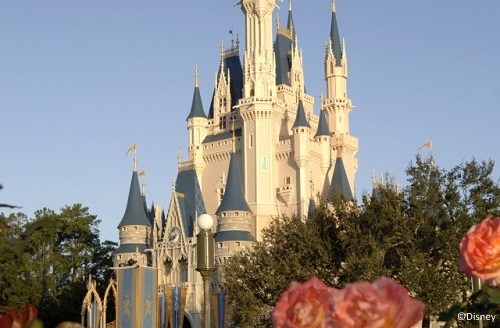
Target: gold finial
x,y
134,148
179,157
196,85
234,138
333,6
143,184
289,5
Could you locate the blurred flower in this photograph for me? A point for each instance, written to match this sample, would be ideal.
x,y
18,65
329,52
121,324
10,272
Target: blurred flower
x,y
304,305
25,316
384,303
480,251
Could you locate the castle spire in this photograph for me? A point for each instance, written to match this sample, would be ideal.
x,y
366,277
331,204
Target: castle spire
x,y
134,213
233,199
196,104
290,24
335,37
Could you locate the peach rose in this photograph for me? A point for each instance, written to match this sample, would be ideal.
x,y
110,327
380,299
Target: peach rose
x,y
480,251
303,305
384,303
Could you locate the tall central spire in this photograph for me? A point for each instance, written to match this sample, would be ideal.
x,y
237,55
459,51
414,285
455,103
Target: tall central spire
x,y
335,36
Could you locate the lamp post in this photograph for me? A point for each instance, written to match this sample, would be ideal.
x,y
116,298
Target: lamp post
x,y
205,261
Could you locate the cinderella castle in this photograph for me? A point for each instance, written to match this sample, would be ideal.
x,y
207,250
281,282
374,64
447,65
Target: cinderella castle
x,y
262,148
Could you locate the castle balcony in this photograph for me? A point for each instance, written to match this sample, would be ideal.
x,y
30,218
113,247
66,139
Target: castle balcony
x,y
286,193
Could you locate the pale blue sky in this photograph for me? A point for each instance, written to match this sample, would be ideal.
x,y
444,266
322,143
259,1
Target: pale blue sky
x,y
81,80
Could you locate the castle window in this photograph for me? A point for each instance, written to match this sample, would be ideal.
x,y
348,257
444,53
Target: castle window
x,y
135,228
220,194
222,102
251,140
252,93
237,244
221,245
119,257
222,122
288,180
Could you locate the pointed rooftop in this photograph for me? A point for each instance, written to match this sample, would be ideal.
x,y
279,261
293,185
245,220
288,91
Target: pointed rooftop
x,y
233,199
323,129
311,208
190,199
134,213
335,37
231,67
300,119
340,183
196,105
290,24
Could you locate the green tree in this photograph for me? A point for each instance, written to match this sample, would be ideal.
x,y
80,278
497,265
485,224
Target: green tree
x,y
46,261
412,237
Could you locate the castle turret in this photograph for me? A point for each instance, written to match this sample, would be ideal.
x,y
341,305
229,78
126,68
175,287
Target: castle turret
x,y
323,137
234,217
197,127
337,105
134,229
301,140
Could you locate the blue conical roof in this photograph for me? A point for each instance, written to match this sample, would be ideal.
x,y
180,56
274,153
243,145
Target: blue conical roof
x,y
323,129
134,213
340,183
233,199
196,105
300,119
311,208
335,38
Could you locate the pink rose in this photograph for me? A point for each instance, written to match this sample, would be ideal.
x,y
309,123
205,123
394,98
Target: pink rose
x,y
303,305
384,303
480,251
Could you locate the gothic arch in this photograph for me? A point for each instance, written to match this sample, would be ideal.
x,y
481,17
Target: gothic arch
x,y
91,299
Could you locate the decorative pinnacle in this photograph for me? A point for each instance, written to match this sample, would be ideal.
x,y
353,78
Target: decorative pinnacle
x,y
234,138
289,5
196,85
333,6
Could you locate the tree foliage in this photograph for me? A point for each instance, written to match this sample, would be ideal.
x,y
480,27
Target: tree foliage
x,y
411,236
46,261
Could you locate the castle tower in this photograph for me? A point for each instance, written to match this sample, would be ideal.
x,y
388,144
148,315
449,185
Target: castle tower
x,y
337,105
134,228
234,217
301,129
260,119
197,128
